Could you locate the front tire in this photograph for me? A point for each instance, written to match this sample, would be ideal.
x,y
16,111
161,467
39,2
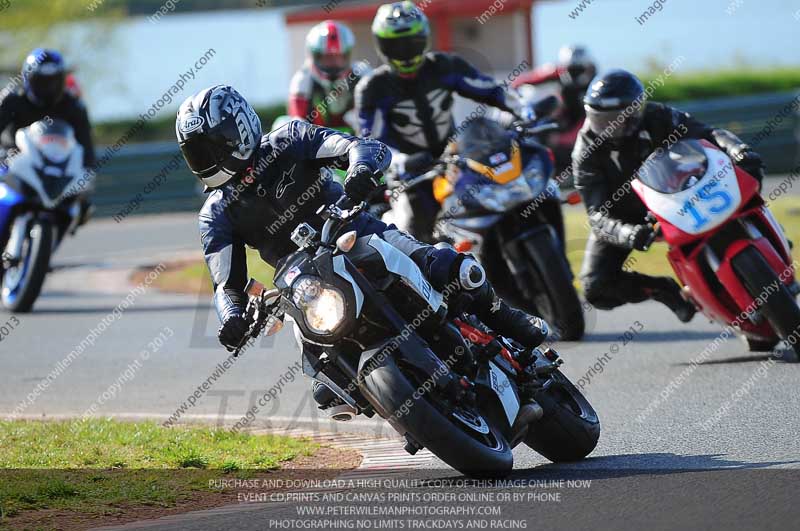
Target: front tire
x,y
392,390
780,309
569,429
758,345
23,283
558,302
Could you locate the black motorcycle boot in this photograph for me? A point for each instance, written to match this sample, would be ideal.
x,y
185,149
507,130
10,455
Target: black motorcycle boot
x,y
669,294
493,311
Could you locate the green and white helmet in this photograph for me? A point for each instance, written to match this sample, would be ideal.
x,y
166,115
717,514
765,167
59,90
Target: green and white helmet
x,y
402,34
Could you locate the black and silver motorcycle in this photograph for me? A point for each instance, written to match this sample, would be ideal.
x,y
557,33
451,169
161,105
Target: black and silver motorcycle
x,y
384,341
39,188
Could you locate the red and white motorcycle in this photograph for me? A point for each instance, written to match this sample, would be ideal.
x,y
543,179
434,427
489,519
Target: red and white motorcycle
x,y
726,248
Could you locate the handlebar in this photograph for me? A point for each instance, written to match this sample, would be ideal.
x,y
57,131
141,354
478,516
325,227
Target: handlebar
x,y
260,312
534,127
657,232
344,203
524,128
437,170
337,216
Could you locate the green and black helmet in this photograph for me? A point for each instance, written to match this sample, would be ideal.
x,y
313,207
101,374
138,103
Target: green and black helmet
x,y
403,33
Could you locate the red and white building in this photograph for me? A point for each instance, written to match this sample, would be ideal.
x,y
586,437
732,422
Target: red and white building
x,y
495,36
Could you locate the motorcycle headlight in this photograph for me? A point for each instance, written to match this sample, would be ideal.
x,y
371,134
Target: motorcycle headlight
x,y
499,198
539,182
536,181
322,305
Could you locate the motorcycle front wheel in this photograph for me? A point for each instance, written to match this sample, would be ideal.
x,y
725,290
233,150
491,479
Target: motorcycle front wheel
x,y
557,300
461,438
569,428
780,308
23,282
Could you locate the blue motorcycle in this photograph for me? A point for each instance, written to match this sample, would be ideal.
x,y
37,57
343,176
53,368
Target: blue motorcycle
x,y
501,203
39,204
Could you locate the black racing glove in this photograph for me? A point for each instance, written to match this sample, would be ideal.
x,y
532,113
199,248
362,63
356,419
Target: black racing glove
x,y
640,237
750,161
360,182
419,162
232,332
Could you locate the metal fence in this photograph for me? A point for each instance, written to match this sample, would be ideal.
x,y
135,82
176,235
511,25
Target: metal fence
x,y
771,122
122,184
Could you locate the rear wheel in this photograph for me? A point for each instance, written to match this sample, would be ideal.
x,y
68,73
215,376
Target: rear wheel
x,y
556,299
780,307
460,437
569,429
23,282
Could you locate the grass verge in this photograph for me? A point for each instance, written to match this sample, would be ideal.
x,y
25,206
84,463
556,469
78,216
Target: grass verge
x,y
104,468
727,83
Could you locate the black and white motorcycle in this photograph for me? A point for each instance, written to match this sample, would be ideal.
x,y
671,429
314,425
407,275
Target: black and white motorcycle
x,y
38,206
384,341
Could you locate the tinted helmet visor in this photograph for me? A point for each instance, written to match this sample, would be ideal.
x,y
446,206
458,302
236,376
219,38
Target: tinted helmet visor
x,y
614,123
332,65
404,48
203,155
48,88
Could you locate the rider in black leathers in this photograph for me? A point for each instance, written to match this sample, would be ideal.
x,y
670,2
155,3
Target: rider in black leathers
x,y
621,131
43,96
262,187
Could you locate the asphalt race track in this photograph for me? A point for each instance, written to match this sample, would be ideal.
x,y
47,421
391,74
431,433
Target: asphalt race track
x,y
681,430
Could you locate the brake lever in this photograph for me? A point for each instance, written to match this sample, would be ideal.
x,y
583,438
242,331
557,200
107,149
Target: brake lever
x,y
654,237
258,314
657,232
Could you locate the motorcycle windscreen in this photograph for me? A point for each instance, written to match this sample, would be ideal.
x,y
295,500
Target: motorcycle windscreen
x,y
55,140
675,169
484,141
692,186
50,160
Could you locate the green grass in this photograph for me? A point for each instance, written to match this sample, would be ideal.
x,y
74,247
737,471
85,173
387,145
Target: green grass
x,y
654,262
722,83
101,465
192,277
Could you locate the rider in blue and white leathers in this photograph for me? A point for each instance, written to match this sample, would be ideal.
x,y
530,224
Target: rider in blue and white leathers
x,y
264,186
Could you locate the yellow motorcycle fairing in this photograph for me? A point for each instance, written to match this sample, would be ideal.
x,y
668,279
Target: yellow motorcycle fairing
x,y
503,173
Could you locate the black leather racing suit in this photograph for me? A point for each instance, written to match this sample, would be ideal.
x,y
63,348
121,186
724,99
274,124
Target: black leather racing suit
x,y
287,184
17,111
415,114
602,175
